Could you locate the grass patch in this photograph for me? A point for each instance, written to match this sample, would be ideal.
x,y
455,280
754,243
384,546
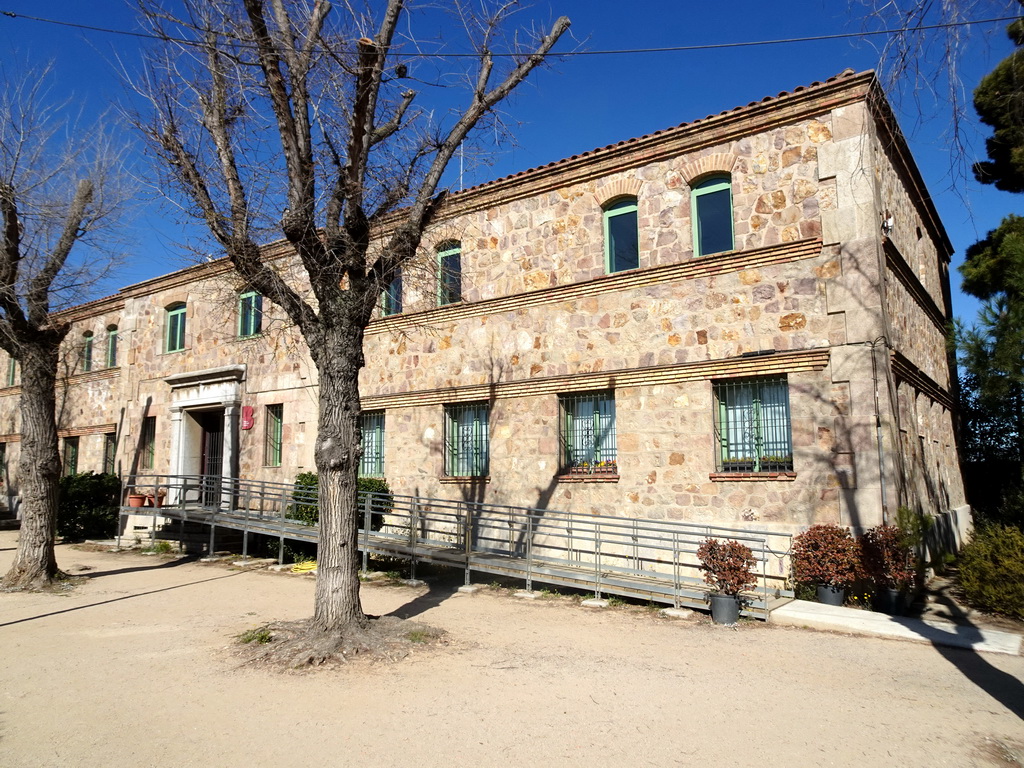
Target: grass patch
x,y
260,636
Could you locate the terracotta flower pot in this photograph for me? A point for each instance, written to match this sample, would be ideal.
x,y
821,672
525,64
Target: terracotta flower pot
x,y
136,500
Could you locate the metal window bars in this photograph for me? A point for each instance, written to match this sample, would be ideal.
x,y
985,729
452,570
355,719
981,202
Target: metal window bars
x,y
587,434
372,428
466,439
753,431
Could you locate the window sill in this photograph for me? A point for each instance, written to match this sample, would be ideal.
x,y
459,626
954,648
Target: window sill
x,y
464,479
748,477
587,478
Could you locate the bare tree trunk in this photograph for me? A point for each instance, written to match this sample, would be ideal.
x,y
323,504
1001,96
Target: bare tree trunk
x,y
337,609
35,564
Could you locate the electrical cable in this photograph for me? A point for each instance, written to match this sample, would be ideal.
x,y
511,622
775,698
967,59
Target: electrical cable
x,y
670,49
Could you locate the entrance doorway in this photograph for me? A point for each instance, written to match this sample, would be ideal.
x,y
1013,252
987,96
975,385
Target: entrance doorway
x,y
211,452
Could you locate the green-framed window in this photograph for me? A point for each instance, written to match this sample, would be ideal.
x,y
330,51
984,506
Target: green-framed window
x,y
466,439
3,461
147,443
753,430
70,456
87,352
449,273
250,313
174,340
391,297
273,435
372,430
110,453
587,434
621,238
112,346
711,206
12,372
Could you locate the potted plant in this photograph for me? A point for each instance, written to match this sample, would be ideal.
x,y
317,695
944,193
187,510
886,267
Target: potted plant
x,y
728,570
889,562
828,557
136,499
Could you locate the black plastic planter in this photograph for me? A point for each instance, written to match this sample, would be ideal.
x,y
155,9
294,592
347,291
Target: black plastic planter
x,y
725,609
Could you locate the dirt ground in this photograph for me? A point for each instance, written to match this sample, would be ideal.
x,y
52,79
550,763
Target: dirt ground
x,y
138,666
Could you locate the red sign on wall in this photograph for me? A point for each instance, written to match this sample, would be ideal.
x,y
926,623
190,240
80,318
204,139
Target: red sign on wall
x,y
247,420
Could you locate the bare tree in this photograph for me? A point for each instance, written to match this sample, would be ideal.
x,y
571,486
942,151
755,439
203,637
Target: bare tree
x,y
352,179
59,192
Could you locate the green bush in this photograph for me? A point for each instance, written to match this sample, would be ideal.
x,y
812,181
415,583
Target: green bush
x,y
87,506
307,486
992,570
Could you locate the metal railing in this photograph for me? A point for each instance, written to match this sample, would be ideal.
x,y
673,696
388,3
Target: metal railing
x,y
643,558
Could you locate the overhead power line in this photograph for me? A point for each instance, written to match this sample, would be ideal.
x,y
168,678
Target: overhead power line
x,y
668,49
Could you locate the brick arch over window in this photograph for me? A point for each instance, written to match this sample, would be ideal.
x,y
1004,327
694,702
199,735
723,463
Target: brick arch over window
x,y
618,188
721,162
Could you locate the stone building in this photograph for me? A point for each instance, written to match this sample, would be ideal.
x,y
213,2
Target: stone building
x,y
739,320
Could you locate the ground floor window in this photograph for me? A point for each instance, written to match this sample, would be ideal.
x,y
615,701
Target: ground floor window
x,y
372,429
274,435
109,452
70,456
147,443
587,434
466,439
753,432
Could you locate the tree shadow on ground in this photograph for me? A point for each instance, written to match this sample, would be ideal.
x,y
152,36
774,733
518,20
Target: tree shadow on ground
x,y
119,599
1001,686
136,569
432,598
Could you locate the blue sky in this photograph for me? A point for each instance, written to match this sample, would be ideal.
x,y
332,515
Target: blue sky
x,y
583,102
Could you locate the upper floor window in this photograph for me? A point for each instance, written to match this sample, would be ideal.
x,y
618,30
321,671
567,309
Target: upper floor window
x,y
87,352
372,430
711,206
391,298
12,372
466,439
753,432
587,434
621,244
449,273
175,336
112,346
250,313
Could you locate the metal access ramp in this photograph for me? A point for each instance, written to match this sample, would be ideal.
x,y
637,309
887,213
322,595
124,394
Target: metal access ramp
x,y
639,558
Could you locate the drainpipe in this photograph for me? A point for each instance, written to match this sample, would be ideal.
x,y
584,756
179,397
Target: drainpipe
x,y
878,428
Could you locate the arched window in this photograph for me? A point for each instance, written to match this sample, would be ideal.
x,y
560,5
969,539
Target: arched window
x,y
175,331
621,244
449,273
711,206
111,346
87,351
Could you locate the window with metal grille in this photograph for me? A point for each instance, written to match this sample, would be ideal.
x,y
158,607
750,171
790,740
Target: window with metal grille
x,y
175,340
250,313
372,429
110,452
87,352
70,456
112,346
449,273
466,439
274,435
621,244
391,298
711,206
147,443
752,425
587,434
